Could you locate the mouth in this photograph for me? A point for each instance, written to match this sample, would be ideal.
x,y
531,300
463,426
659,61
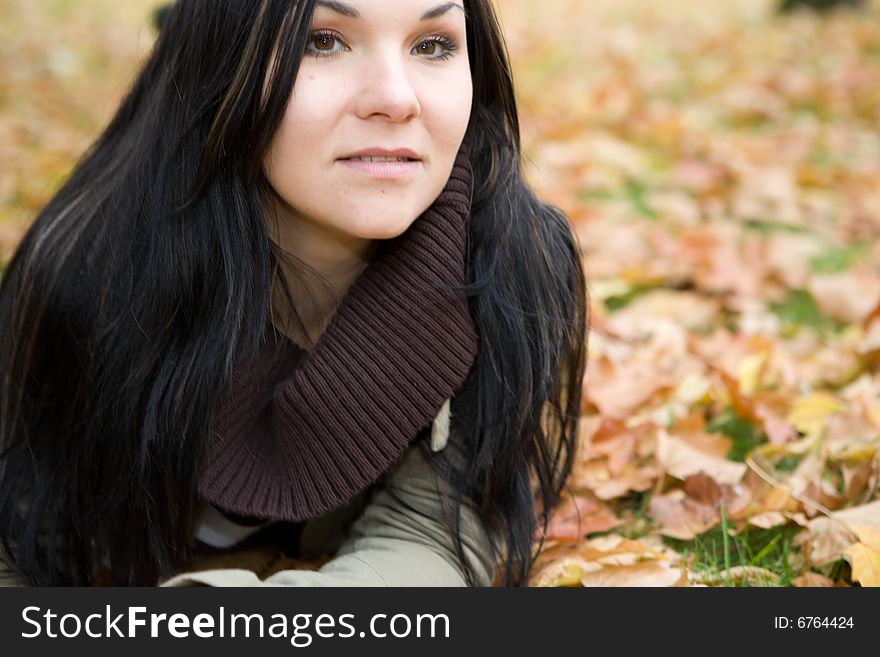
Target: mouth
x,y
372,158
381,166
379,154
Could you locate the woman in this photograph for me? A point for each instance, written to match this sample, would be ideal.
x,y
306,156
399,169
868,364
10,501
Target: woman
x,y
299,280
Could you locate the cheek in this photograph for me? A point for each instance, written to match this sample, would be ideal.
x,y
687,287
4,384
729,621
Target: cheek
x,y
449,111
308,112
303,130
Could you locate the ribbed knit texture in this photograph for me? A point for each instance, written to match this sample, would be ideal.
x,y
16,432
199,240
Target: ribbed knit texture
x,y
300,433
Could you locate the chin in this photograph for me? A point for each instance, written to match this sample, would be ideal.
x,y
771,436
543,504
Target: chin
x,y
388,233
386,230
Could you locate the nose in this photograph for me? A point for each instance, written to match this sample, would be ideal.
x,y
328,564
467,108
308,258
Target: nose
x,y
387,90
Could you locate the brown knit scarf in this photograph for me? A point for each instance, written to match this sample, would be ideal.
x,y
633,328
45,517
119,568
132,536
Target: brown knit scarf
x,y
299,433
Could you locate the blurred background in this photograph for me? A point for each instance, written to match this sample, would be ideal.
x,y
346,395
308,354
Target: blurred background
x,y
720,164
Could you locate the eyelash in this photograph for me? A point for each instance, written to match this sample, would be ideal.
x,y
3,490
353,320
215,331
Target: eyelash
x,y
445,42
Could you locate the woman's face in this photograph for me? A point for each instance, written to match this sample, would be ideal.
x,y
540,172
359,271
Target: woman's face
x,y
380,78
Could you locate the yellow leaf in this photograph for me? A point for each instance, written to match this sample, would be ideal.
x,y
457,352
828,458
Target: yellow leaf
x,y
874,413
750,371
869,536
810,413
795,448
692,389
854,453
864,520
865,563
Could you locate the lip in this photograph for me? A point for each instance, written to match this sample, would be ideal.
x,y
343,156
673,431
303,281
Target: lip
x,y
386,170
376,151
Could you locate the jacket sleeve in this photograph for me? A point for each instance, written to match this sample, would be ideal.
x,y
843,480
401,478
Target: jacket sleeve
x,y
399,540
7,574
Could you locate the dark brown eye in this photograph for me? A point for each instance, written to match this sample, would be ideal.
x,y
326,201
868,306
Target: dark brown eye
x,y
324,42
436,48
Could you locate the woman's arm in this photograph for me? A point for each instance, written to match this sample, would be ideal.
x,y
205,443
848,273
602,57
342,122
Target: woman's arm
x,y
390,544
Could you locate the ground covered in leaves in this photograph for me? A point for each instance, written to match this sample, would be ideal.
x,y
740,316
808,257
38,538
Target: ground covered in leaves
x,y
721,167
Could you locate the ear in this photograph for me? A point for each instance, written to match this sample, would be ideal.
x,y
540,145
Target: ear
x,y
440,428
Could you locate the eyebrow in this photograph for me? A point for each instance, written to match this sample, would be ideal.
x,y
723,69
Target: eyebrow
x,y
351,12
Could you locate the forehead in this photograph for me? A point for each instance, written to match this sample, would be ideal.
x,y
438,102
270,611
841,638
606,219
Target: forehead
x,y
401,9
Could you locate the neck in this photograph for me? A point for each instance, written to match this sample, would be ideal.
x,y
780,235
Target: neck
x,y
322,266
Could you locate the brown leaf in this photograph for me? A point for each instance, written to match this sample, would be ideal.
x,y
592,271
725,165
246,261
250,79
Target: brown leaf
x,y
645,573
767,409
828,537
768,519
687,309
702,488
848,296
748,575
690,430
596,477
580,515
682,458
812,580
618,389
608,561
679,516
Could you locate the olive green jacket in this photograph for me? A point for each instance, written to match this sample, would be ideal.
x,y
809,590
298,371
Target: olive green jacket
x,y
392,536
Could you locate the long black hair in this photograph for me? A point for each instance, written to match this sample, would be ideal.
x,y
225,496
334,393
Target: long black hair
x,y
125,304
